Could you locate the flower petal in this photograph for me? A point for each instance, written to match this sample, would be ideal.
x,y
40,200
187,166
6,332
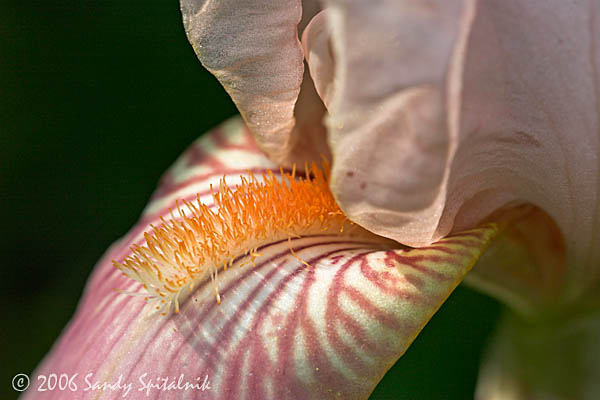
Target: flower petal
x,y
386,129
525,264
252,47
474,105
282,329
319,56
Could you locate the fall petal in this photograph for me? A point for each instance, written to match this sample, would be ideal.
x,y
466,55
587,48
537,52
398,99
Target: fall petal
x,y
282,329
474,105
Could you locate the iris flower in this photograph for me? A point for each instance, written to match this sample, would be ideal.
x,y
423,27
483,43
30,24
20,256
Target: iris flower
x,y
461,134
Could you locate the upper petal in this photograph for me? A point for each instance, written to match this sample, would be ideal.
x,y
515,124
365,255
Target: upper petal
x,y
387,114
252,47
449,110
527,122
319,56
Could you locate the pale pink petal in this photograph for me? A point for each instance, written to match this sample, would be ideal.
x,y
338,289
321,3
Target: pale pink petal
x,y
282,330
445,111
527,122
387,123
252,47
319,56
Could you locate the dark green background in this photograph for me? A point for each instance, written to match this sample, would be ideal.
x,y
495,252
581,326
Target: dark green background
x,y
97,98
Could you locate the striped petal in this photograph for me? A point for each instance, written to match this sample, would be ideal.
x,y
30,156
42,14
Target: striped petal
x,y
282,329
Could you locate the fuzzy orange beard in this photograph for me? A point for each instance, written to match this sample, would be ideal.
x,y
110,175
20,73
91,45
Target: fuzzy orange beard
x,y
198,241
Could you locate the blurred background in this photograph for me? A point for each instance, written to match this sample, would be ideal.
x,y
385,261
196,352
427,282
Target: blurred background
x,y
97,99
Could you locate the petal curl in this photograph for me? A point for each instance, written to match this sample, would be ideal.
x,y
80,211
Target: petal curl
x,y
282,330
449,110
